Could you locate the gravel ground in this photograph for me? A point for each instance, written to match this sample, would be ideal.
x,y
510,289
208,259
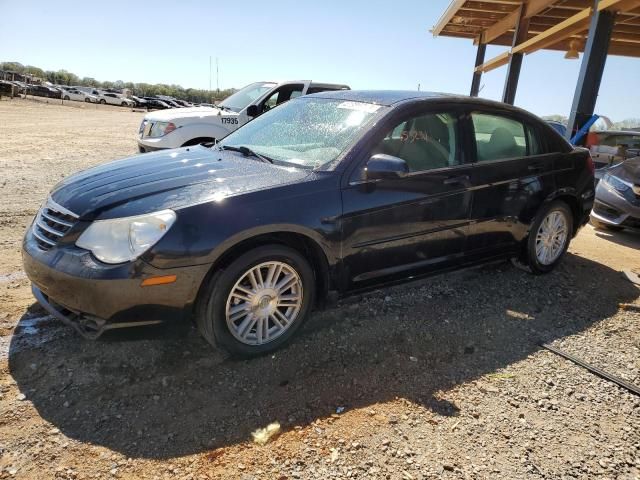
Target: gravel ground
x,y
441,378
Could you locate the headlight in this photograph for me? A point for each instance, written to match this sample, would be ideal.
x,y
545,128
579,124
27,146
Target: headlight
x,y
123,239
615,183
161,128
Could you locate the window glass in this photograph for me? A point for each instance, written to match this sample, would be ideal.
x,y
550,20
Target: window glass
x,y
615,140
308,131
533,145
498,137
425,142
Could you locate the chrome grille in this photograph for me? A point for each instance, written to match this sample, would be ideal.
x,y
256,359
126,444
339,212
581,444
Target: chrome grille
x,y
52,223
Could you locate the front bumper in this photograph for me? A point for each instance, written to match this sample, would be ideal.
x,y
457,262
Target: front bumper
x,y
613,208
93,297
145,146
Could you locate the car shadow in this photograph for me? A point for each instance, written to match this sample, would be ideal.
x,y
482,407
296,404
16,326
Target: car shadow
x,y
627,237
162,393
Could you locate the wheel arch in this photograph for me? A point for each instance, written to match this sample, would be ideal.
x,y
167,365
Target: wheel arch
x,y
301,241
569,197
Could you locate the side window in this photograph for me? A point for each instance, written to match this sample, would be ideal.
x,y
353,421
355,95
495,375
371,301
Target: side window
x,y
498,137
281,95
534,146
425,142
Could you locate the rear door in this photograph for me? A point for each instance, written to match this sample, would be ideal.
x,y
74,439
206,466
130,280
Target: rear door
x,y
511,178
393,227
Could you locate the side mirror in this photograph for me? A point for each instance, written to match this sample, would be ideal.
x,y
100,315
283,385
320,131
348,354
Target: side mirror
x,y
381,166
252,111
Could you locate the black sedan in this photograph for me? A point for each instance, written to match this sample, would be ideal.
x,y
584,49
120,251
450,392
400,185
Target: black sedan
x,y
325,195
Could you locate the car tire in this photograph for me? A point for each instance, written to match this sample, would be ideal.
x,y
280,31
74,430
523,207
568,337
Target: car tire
x,y
224,292
549,237
66,97
102,101
123,104
87,100
604,226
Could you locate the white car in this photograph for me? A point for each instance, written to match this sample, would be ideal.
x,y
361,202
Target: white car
x,y
78,96
181,127
115,99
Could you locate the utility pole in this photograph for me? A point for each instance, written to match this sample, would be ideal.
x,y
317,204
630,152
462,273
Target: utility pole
x,y
217,77
210,97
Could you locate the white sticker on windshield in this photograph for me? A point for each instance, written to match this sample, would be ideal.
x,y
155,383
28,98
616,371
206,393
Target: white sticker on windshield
x,y
360,107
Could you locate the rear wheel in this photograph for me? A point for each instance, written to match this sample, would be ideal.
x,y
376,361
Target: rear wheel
x,y
123,104
66,97
549,237
257,303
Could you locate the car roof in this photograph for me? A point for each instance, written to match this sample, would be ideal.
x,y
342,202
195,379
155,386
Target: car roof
x,y
392,97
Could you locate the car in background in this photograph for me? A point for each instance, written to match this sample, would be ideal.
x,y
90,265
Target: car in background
x,y
195,125
115,99
325,195
139,101
43,91
7,88
78,96
617,202
609,147
183,103
169,101
156,104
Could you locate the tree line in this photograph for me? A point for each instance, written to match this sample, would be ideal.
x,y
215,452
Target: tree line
x,y
63,77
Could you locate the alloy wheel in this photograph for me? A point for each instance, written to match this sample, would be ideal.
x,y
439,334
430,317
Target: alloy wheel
x,y
264,303
551,237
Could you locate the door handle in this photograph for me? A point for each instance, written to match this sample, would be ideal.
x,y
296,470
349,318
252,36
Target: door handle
x,y
462,179
536,167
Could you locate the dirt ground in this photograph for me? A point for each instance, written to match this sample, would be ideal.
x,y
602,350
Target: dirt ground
x,y
441,378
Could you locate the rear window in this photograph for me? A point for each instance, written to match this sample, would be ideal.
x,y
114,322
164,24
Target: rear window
x,y
499,138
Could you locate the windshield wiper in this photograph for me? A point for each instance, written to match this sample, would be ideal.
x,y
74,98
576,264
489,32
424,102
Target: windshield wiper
x,y
223,107
247,152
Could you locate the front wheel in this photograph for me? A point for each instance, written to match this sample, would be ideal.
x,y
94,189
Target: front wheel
x,y
257,303
66,97
103,102
549,237
87,100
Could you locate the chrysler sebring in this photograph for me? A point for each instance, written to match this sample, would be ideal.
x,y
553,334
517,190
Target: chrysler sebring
x,y
323,196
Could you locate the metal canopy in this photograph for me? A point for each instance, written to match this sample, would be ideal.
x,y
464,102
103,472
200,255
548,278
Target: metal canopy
x,y
552,25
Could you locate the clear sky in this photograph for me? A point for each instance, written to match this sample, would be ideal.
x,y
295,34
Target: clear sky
x,y
368,44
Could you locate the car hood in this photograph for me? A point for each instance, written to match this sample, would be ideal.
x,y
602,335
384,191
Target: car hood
x,y
628,170
167,179
187,112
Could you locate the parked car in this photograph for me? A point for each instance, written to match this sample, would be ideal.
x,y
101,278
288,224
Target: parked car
x,y
115,99
6,88
169,101
326,195
79,96
609,147
140,102
617,203
191,126
43,91
183,103
155,103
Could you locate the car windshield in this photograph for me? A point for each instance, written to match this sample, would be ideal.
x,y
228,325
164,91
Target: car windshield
x,y
307,132
245,96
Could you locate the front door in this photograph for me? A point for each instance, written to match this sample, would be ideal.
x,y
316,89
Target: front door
x,y
393,227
